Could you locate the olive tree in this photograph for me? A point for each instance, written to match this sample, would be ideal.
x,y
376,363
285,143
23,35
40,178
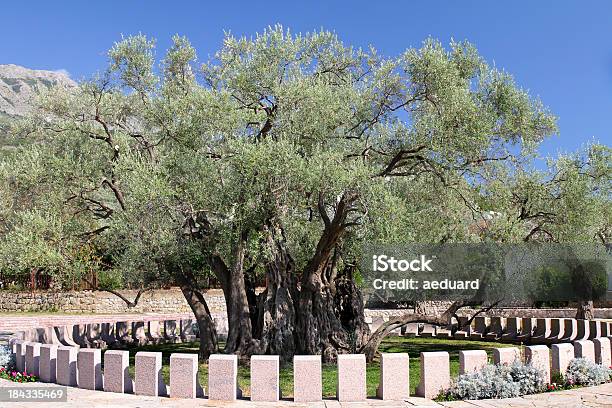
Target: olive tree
x,y
276,160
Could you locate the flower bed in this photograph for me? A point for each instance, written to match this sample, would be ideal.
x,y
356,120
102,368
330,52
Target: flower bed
x,y
16,376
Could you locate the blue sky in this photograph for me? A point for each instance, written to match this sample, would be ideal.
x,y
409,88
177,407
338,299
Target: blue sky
x,y
559,50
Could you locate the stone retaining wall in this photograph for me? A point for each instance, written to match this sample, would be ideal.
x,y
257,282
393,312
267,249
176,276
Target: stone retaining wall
x,y
155,301
172,301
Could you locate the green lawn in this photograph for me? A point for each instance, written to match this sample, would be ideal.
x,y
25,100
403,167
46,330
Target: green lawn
x,y
412,346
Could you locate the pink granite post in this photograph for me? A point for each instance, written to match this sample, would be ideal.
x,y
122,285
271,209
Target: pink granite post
x,y
351,384
46,335
513,325
562,354
11,343
506,355
377,322
89,369
471,360
411,330
604,328
584,349
20,349
149,379
79,334
480,327
65,336
187,330
138,333
539,357
602,351
583,329
171,331
153,331
222,377
116,375
108,334
429,330
435,373
47,363
264,378
184,375
32,358
594,329
122,332
542,330
570,330
94,335
527,328
394,376
496,328
307,379
66,364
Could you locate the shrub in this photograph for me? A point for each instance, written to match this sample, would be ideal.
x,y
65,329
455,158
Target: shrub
x,y
581,371
7,358
530,379
498,381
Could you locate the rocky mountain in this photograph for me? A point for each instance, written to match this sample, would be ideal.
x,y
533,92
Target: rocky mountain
x,y
19,85
18,88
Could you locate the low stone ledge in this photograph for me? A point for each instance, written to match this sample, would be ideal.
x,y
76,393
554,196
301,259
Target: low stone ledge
x,y
562,354
472,360
307,379
539,356
66,364
149,380
264,378
584,349
32,358
223,377
116,371
184,376
435,373
351,385
47,366
394,377
89,369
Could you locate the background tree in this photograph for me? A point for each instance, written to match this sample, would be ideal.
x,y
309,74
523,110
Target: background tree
x,y
569,203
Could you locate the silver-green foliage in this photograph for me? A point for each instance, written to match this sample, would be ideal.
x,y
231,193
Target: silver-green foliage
x,y
582,371
143,158
498,381
7,358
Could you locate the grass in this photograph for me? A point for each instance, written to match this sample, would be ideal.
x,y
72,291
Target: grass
x,y
412,346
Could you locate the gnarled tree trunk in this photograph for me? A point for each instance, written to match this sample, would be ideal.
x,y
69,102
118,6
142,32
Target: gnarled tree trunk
x,y
275,328
197,302
240,333
585,310
349,307
319,329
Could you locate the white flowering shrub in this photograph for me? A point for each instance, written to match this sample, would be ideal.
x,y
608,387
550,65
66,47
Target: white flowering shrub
x,y
530,379
7,359
498,381
581,371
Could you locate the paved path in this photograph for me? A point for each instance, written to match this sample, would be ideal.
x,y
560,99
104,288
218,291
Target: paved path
x,y
600,396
